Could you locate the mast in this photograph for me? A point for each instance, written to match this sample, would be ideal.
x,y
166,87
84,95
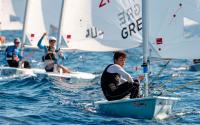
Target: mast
x,y
25,25
60,25
145,35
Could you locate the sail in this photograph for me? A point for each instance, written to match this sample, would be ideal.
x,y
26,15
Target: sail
x,y
9,20
189,22
192,19
166,31
34,22
102,25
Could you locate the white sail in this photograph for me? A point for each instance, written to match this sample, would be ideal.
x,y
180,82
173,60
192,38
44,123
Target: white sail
x,y
167,31
192,19
93,25
34,22
9,20
189,22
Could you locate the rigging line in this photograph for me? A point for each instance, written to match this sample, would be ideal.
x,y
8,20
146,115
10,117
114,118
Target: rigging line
x,y
181,87
162,86
158,75
22,52
161,70
29,55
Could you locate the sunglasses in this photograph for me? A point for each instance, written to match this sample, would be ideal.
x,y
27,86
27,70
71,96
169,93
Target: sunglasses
x,y
52,41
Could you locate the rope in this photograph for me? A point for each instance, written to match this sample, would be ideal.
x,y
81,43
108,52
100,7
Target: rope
x,y
182,86
161,70
29,56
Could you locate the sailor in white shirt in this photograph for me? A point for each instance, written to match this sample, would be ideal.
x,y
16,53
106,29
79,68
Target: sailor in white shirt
x,y
116,83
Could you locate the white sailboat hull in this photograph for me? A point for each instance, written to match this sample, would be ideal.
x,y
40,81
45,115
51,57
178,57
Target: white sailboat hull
x,y
35,71
10,73
141,108
73,75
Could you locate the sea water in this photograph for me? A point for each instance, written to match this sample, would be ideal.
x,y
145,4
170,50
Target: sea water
x,y
44,101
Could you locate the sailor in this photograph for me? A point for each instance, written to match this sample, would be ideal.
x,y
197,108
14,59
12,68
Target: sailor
x,y
116,83
2,40
50,57
14,57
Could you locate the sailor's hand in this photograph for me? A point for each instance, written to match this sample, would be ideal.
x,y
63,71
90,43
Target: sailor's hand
x,y
44,34
16,58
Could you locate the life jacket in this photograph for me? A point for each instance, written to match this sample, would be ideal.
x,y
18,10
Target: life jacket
x,y
11,51
109,81
50,55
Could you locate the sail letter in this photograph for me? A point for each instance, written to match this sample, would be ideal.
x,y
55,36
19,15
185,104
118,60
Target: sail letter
x,y
124,33
128,30
139,24
132,28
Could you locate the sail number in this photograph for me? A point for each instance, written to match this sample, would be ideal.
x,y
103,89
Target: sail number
x,y
94,32
130,21
132,28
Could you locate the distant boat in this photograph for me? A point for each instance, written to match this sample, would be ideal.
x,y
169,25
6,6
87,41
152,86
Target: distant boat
x,y
9,19
187,30
192,12
195,66
30,6
34,27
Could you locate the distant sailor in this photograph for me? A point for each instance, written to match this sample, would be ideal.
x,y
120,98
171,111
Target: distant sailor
x,y
116,83
14,57
50,57
2,40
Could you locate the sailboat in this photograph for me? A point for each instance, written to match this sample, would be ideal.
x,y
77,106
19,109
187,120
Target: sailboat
x,y
113,25
78,32
102,26
34,26
9,19
195,66
163,31
30,6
